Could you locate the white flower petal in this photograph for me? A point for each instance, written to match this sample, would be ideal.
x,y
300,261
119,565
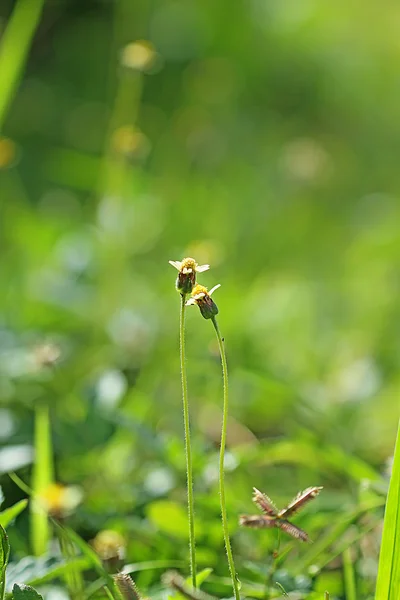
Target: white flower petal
x,y
214,288
175,263
186,270
190,302
202,268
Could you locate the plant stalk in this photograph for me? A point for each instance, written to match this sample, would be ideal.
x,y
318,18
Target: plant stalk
x,y
42,477
188,449
225,528
15,45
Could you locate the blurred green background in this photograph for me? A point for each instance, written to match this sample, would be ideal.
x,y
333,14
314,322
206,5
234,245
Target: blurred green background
x,y
263,137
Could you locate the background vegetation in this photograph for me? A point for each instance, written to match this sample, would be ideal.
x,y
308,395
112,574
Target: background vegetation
x,y
264,139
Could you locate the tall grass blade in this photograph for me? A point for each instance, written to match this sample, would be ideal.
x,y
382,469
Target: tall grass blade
x,y
9,514
42,477
349,577
388,583
4,556
15,44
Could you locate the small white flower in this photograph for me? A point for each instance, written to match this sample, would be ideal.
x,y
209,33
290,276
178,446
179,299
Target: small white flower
x,y
202,297
187,268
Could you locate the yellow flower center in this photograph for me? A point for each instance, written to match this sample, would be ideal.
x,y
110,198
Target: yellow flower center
x,y
199,289
188,263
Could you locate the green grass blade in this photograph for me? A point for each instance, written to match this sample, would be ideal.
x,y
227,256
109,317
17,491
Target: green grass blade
x,y
348,573
42,477
73,576
94,559
14,48
4,556
9,514
388,583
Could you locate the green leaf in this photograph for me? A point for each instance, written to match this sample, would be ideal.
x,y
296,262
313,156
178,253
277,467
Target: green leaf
x,y
4,556
25,592
9,514
202,576
388,582
37,571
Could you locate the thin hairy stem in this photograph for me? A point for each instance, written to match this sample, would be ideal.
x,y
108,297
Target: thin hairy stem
x,y
188,449
221,463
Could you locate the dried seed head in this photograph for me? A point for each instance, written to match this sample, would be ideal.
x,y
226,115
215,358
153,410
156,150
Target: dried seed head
x,y
187,268
257,521
293,530
299,501
264,503
109,544
127,587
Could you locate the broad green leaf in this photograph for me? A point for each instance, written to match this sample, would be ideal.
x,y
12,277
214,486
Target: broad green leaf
x,y
9,514
25,592
4,556
388,583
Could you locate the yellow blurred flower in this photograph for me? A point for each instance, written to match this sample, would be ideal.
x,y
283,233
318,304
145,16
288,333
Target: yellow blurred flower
x,y
109,544
8,152
130,142
139,55
46,355
59,500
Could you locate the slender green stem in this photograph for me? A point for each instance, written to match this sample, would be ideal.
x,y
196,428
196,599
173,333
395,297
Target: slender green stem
x,y
349,578
274,564
42,477
14,48
222,461
188,449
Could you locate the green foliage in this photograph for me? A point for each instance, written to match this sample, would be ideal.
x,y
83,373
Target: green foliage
x,y
25,592
9,514
265,144
388,584
4,556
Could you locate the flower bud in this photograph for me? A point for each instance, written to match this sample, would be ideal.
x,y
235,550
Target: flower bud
x,y
202,297
186,279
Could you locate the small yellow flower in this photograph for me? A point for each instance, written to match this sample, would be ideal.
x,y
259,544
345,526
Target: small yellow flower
x,y
187,268
139,55
202,297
